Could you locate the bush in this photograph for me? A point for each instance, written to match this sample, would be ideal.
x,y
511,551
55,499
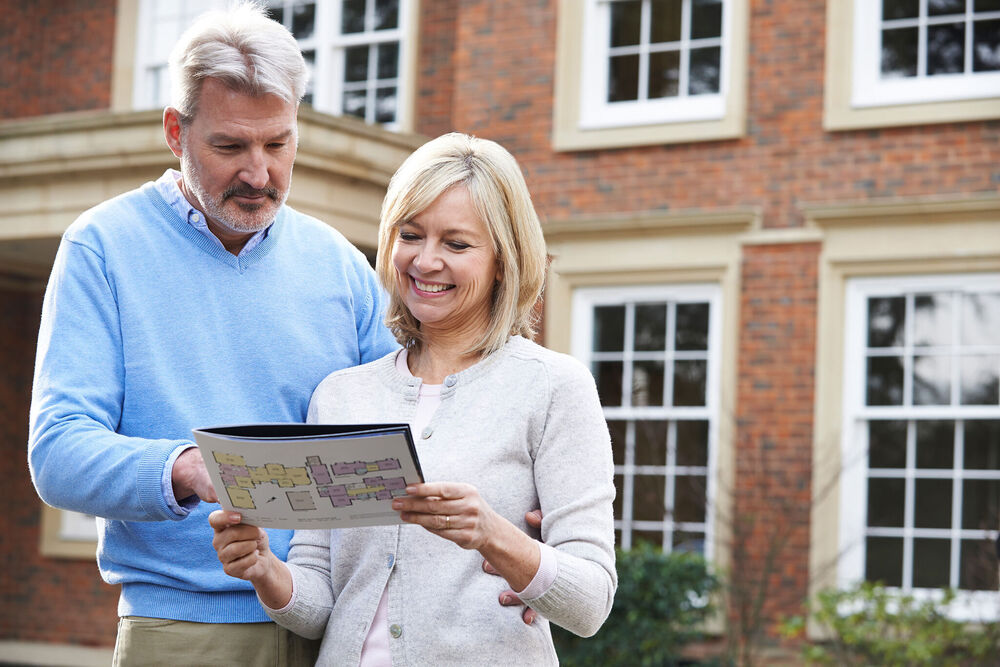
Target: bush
x,y
875,626
662,601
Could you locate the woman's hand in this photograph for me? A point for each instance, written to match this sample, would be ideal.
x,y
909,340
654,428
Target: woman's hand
x,y
453,510
456,512
245,554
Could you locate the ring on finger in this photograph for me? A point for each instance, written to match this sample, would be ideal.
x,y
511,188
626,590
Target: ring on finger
x,y
447,522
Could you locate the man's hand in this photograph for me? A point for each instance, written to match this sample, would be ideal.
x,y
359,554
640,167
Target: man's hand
x,y
508,598
190,477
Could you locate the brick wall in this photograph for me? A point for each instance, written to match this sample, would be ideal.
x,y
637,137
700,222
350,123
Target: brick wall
x,y
55,56
44,599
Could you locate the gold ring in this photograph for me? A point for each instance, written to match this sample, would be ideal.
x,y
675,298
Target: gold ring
x,y
447,522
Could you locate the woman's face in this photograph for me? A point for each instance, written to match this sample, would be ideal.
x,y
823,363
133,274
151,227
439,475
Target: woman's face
x,y
446,267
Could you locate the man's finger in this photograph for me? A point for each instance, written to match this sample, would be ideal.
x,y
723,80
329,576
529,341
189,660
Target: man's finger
x,y
534,518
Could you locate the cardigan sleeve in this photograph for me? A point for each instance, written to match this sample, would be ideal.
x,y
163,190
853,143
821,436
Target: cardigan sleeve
x,y
574,479
312,594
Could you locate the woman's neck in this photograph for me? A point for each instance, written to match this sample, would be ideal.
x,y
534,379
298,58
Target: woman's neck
x,y
432,363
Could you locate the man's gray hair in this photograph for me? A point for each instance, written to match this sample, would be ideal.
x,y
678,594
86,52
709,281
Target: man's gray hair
x,y
244,50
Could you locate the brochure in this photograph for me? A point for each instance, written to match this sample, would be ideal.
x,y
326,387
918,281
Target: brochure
x,y
310,475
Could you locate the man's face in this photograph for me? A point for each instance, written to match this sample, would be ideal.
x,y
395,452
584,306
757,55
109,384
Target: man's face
x,y
236,159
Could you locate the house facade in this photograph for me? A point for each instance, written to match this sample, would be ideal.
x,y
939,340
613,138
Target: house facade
x,y
775,240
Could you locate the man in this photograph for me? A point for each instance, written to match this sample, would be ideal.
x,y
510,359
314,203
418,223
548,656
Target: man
x,y
197,300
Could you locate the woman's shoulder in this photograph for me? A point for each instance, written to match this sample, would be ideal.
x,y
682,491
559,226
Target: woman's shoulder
x,y
357,376
560,367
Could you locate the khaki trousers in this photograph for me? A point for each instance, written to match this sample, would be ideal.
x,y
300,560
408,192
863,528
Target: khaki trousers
x,y
155,641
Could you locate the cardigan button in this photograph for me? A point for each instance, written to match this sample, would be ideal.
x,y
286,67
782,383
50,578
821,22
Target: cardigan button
x,y
395,631
450,381
426,433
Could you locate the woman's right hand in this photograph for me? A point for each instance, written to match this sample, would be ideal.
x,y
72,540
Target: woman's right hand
x,y
242,549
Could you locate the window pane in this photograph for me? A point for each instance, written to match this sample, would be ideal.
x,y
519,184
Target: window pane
x,y
932,319
982,445
980,380
648,501
986,5
886,444
931,380
899,52
608,375
352,16
354,103
623,78
647,383
940,7
388,60
665,21
980,318
981,504
617,429
977,569
932,503
884,560
609,328
651,443
900,9
886,502
386,14
886,319
650,327
689,498
692,327
688,541
706,18
303,19
356,63
653,537
935,444
619,495
885,381
626,18
946,48
385,104
986,46
276,14
704,75
310,58
664,74
931,563
689,382
692,443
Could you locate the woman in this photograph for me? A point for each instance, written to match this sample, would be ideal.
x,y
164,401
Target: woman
x,y
502,426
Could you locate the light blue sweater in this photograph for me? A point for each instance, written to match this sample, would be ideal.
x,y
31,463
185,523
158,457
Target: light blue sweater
x,y
150,330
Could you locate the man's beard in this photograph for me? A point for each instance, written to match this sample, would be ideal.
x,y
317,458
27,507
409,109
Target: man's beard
x,y
237,217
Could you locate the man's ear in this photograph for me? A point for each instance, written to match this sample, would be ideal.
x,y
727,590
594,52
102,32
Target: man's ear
x,y
172,130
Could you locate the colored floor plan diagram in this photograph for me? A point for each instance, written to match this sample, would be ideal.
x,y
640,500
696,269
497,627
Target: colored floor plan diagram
x,y
337,482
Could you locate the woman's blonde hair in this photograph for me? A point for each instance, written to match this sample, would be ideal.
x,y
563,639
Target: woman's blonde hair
x,y
501,199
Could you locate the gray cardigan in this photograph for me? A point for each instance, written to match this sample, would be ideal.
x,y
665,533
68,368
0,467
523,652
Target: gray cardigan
x,y
526,428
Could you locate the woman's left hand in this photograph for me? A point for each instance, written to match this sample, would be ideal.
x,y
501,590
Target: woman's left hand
x,y
453,510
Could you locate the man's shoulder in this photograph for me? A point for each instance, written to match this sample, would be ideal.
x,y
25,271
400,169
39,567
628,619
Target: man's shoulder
x,y
111,216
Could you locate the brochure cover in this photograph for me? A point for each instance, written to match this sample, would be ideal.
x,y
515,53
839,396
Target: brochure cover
x,y
310,475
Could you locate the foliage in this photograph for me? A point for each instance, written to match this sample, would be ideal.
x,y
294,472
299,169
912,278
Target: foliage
x,y
662,601
871,625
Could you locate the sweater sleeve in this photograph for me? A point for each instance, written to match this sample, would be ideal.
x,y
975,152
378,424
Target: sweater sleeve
x,y
312,597
374,338
77,460
576,503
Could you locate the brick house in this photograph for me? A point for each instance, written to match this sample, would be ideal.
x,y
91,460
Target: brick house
x,y
775,232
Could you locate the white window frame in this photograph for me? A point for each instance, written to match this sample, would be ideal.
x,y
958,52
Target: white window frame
x,y
869,89
597,113
585,299
327,76
969,605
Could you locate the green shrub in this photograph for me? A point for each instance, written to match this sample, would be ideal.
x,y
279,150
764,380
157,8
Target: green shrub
x,y
661,602
871,625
